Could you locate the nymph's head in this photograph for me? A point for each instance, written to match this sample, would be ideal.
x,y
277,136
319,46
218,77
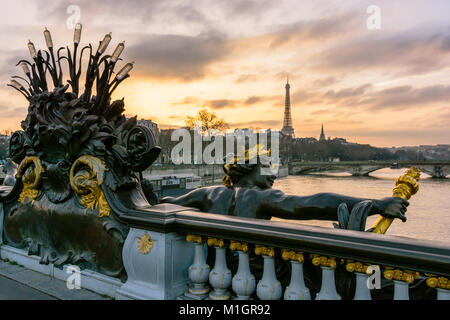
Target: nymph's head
x,y
242,171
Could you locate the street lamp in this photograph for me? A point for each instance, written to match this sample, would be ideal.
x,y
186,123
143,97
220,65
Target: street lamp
x,y
104,44
32,49
77,33
117,51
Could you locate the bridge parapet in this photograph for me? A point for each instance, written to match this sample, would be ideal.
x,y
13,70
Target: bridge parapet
x,y
179,265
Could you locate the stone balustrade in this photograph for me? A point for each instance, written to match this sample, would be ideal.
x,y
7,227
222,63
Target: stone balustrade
x,y
245,286
196,255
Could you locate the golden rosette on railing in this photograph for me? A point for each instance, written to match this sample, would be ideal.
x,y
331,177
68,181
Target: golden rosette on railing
x,y
265,251
214,242
239,246
355,266
194,238
407,276
434,281
323,261
405,187
292,255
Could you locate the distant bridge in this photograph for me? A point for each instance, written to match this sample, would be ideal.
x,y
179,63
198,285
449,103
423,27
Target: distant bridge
x,y
436,169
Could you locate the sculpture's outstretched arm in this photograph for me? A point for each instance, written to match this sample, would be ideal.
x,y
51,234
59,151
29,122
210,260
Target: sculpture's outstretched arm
x,y
323,206
195,199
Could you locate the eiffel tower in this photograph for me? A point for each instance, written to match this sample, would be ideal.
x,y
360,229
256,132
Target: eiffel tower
x,y
287,129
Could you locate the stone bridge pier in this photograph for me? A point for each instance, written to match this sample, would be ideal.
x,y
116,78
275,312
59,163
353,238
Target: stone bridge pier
x,y
436,171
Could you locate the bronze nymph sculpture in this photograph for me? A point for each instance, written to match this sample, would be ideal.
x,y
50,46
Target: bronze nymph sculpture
x,y
248,193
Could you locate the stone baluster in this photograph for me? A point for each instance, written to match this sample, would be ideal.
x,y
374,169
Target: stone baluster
x,y
268,288
243,282
328,286
442,286
402,280
199,271
220,275
296,290
362,291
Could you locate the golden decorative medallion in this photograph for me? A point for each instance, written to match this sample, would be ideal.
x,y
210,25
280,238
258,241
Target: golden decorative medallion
x,y
86,177
144,244
29,171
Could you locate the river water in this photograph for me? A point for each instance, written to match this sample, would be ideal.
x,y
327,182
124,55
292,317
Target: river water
x,y
428,215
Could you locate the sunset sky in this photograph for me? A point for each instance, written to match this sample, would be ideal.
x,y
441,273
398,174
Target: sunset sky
x,y
387,87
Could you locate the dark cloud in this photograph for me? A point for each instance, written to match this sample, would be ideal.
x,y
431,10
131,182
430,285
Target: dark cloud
x,y
220,104
258,99
247,78
213,104
402,54
253,100
245,8
348,92
8,63
404,97
330,27
320,112
257,124
223,103
325,82
11,112
187,100
177,56
398,98
141,11
302,97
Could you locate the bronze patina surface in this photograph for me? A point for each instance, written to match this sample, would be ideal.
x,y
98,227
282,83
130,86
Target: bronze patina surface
x,y
73,148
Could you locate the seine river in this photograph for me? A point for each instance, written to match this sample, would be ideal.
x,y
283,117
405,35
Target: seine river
x,y
428,213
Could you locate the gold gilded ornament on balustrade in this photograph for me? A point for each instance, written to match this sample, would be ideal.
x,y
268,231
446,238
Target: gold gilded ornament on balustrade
x,y
407,276
194,238
215,242
145,244
292,255
405,187
355,266
29,171
440,282
265,251
323,261
235,245
86,177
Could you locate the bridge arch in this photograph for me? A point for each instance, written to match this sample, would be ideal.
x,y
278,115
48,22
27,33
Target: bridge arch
x,y
436,169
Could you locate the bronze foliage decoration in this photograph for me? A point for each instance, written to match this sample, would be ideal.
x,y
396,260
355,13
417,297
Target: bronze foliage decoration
x,y
75,147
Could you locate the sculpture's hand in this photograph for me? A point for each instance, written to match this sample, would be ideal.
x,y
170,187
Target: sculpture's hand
x,y
392,207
